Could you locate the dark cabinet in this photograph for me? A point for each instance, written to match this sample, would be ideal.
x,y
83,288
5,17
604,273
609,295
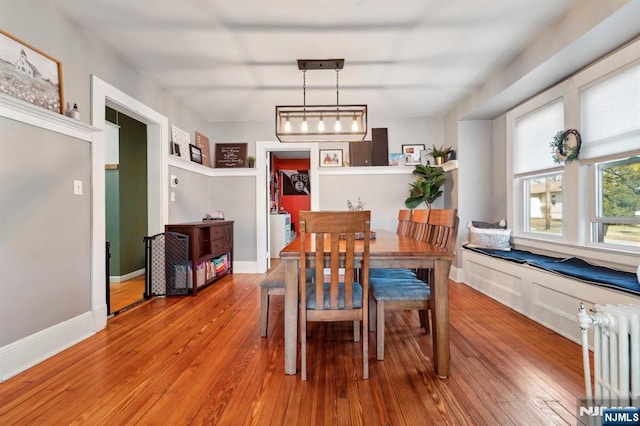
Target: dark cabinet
x,y
210,250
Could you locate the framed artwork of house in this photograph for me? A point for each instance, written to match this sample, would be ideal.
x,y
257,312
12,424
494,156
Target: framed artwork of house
x,y
29,74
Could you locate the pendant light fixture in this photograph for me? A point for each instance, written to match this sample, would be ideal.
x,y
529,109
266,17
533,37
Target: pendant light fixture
x,y
308,123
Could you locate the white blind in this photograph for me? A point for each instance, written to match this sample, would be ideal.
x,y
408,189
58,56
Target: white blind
x,y
533,134
610,115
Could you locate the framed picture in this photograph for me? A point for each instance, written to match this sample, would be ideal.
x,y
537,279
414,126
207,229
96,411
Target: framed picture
x,y
176,148
330,158
397,159
412,154
202,142
231,155
29,74
196,154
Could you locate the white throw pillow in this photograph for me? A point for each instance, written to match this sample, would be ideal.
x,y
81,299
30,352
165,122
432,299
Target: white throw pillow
x,y
489,238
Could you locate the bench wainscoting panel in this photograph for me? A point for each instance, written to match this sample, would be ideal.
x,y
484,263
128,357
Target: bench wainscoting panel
x,y
547,298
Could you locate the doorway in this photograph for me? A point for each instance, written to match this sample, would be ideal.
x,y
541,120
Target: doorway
x,y
264,150
126,208
103,94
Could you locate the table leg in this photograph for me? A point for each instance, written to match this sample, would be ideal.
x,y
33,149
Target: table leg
x,y
440,311
290,315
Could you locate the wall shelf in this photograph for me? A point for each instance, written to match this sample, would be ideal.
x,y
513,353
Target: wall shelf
x,y
208,171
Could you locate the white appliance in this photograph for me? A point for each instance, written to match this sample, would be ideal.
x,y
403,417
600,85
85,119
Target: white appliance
x,y
280,233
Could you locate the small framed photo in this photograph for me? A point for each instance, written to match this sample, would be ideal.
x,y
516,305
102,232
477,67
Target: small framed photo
x,y
330,158
29,74
397,159
412,154
196,154
176,148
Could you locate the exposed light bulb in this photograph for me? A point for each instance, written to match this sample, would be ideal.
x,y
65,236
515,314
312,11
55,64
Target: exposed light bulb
x,y
354,124
338,126
304,126
287,125
321,124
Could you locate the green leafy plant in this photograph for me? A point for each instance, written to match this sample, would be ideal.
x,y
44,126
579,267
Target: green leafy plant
x,y
427,187
439,152
251,161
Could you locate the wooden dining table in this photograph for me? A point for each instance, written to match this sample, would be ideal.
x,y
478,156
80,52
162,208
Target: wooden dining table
x,y
387,250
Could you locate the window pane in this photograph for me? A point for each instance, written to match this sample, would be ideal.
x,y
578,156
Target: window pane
x,y
620,183
619,203
545,204
620,234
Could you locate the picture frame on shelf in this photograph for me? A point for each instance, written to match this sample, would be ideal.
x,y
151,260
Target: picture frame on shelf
x,y
29,74
331,158
196,154
175,147
397,159
412,153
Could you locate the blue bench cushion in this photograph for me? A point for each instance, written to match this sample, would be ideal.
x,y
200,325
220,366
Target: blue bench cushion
x,y
391,273
571,267
311,296
389,289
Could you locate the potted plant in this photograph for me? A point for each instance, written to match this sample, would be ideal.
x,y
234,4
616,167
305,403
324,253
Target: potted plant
x,y
439,154
251,160
427,187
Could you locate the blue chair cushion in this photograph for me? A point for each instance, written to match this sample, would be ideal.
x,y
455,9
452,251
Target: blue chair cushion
x,y
391,273
399,290
357,296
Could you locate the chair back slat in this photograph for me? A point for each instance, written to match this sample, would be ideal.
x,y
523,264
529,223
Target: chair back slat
x,y
404,223
420,220
443,227
334,234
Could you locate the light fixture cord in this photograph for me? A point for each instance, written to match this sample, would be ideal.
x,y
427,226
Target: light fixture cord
x,y
304,89
337,88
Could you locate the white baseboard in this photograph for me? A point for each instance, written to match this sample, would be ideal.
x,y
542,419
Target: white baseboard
x,y
29,351
126,277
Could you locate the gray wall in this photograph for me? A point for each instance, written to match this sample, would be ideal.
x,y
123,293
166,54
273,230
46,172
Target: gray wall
x,y
44,231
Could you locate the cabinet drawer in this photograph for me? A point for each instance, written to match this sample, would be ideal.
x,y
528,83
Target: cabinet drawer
x,y
219,246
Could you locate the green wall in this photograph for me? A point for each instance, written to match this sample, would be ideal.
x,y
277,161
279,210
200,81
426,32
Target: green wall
x,y
131,182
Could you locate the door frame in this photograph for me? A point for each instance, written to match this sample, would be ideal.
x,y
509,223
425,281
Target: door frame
x,y
102,95
263,149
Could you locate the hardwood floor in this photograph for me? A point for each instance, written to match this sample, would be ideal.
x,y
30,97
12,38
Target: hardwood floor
x,y
201,360
126,293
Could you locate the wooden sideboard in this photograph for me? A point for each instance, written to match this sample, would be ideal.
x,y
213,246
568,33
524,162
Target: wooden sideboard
x,y
210,250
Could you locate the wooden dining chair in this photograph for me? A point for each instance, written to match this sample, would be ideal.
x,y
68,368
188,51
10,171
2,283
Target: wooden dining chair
x,y
405,225
402,293
328,240
408,223
420,224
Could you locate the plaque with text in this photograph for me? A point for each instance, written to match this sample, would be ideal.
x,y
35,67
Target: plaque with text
x,y
231,155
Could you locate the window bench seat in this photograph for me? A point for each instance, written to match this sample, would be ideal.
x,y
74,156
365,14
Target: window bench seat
x,y
546,289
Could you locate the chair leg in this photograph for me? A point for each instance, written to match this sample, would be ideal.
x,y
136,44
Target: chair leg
x,y
424,320
380,330
365,351
264,311
356,330
372,313
303,345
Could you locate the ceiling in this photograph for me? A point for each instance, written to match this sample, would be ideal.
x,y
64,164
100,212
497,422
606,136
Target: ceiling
x,y
235,60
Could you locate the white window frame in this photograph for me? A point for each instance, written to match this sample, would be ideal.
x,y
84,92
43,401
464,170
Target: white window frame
x,y
578,177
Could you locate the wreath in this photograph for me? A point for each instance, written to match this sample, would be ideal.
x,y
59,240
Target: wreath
x,y
566,146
